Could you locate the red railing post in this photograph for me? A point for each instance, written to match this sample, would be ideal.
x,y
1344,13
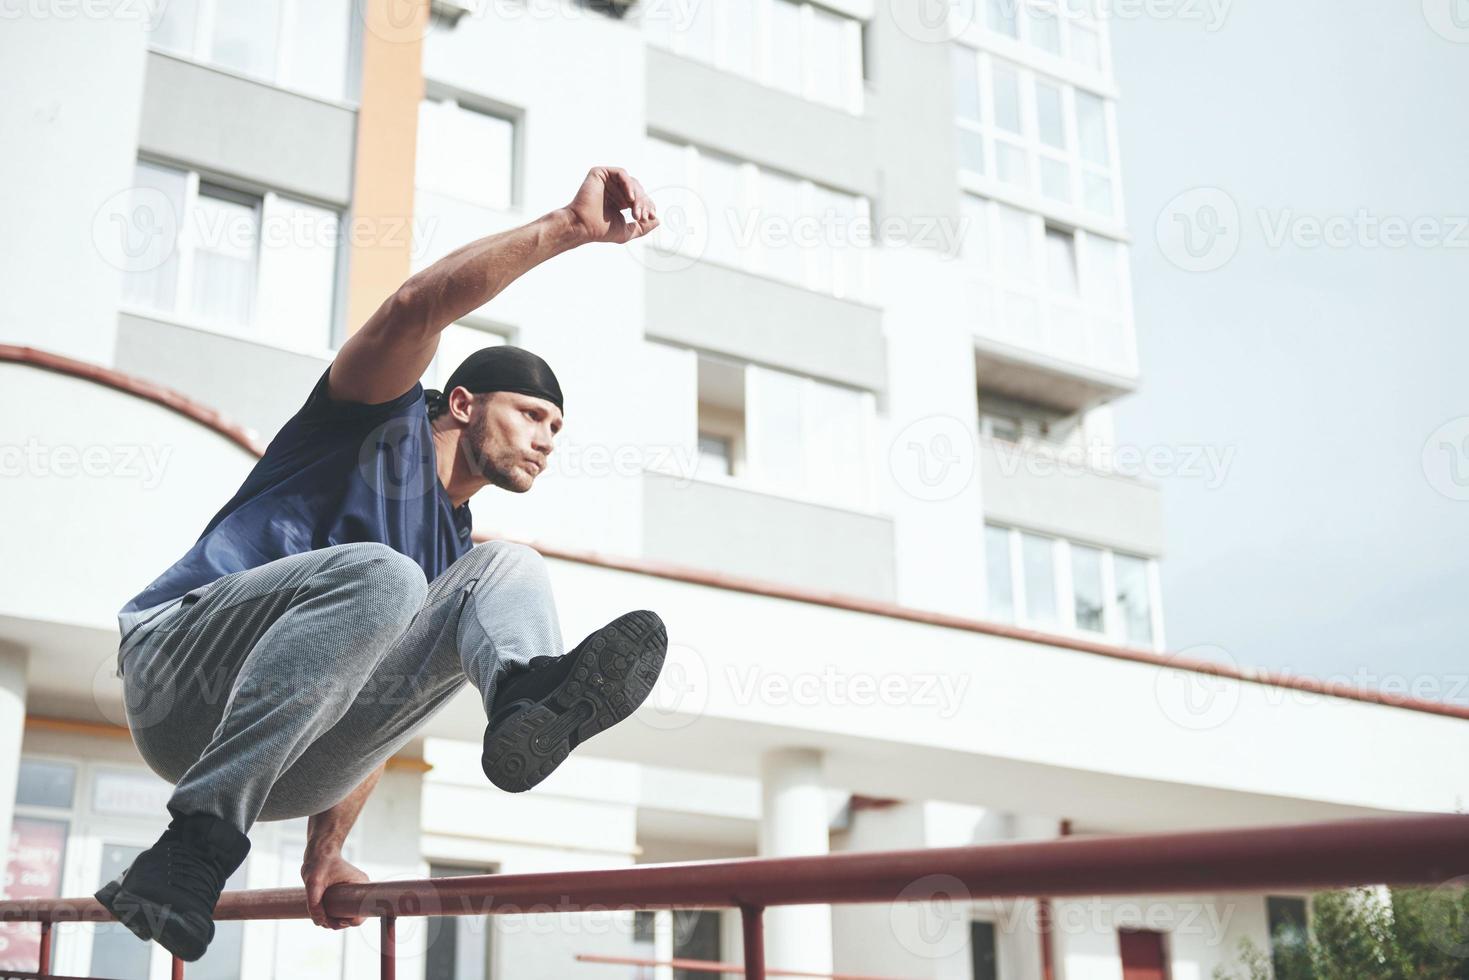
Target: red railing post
x,y
389,948
752,917
44,967
178,969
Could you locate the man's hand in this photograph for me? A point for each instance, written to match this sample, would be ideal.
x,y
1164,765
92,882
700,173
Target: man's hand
x,y
320,872
597,207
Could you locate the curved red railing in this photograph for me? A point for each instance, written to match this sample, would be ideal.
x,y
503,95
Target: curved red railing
x,y
1411,850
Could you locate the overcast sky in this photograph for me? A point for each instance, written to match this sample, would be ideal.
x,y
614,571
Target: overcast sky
x,y
1324,354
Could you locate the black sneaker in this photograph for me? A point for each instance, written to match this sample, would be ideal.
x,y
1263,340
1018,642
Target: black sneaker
x,y
555,703
169,891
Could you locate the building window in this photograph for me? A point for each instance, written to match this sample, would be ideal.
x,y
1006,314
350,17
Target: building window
x,y
1047,287
784,433
1051,583
983,951
38,836
466,152
1047,138
1027,423
303,45
809,51
260,265
459,946
1067,29
763,221
1289,933
686,934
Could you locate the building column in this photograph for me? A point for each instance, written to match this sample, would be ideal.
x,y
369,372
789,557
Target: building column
x,y
793,822
13,665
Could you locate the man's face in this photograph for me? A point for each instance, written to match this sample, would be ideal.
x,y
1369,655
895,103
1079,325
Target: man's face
x,y
509,437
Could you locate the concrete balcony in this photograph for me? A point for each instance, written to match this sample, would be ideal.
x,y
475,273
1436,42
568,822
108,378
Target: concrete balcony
x,y
727,528
1041,491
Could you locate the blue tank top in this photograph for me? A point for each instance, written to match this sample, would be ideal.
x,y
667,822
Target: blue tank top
x,y
336,472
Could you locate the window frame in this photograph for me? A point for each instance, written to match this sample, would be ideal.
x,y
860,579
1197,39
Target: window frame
x,y
449,100
853,87
267,202
1064,589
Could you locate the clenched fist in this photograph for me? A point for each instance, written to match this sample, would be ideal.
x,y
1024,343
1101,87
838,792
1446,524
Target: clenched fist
x,y
597,207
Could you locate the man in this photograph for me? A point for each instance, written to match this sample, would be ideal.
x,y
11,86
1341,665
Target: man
x,y
335,602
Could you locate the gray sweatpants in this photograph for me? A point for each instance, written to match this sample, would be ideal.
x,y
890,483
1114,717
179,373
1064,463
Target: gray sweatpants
x,y
281,688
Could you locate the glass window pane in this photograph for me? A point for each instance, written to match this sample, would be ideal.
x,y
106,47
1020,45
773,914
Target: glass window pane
x,y
459,948
222,960
1045,26
1061,262
738,34
1055,179
466,153
1098,191
719,185
698,27
226,230
1086,582
45,783
1018,254
245,37
33,870
1012,164
971,150
1038,557
1086,46
997,574
773,428
1007,99
298,270
975,247
174,30
966,82
984,951
715,456
116,952
148,236
834,435
1134,599
1002,17
319,43
1104,273
779,211
1091,129
457,342
1049,115
831,65
785,46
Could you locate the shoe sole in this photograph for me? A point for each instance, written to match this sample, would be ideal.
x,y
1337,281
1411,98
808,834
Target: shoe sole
x,y
616,670
140,916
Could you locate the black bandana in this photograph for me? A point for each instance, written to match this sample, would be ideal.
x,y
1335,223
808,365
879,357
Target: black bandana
x,y
502,368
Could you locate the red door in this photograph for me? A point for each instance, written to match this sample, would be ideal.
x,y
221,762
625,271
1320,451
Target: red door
x,y
1142,955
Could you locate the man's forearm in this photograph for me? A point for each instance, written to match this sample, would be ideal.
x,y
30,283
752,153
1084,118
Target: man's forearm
x,y
470,276
327,831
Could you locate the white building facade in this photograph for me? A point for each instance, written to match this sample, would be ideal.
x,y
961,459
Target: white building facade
x,y
844,422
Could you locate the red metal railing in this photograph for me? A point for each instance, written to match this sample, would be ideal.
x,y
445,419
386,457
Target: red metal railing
x,y
1413,850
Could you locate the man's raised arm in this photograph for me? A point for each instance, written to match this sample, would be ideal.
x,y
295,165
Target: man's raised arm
x,y
395,346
